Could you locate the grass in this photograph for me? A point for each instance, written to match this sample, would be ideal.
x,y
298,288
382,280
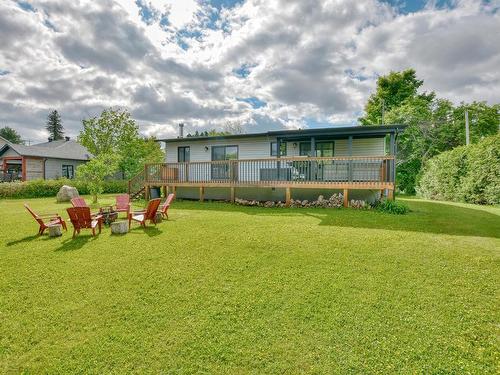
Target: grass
x,y
227,289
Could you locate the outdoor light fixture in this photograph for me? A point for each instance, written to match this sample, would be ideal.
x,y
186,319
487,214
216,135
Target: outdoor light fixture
x,y
294,144
206,148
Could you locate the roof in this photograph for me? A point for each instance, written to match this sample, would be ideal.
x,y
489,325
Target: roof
x,y
63,149
3,139
345,131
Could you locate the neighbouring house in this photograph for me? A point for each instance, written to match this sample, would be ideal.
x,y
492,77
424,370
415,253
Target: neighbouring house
x,y
3,141
49,160
359,161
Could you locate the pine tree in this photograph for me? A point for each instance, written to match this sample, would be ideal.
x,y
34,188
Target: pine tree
x,y
54,125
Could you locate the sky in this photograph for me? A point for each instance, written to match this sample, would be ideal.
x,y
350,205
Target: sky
x,y
259,64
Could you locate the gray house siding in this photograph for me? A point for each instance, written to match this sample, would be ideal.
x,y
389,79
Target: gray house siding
x,y
53,167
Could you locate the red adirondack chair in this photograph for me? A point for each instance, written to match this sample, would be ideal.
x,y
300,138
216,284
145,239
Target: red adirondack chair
x,y
46,220
81,218
148,214
164,207
79,202
122,203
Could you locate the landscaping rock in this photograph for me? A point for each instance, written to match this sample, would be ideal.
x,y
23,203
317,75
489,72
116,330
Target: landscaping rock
x,y
55,230
66,193
119,227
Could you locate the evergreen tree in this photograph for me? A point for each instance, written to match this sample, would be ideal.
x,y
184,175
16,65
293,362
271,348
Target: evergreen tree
x,y
54,125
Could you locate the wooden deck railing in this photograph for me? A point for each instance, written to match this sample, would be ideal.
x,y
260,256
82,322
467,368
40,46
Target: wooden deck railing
x,y
274,172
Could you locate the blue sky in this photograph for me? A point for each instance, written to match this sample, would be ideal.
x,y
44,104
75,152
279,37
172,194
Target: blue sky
x,y
260,64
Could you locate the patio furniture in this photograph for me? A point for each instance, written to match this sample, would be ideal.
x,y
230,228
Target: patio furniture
x,y
122,203
46,220
79,202
165,206
119,227
55,230
81,218
148,214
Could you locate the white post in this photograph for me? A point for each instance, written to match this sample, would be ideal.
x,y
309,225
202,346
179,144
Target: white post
x,y
467,139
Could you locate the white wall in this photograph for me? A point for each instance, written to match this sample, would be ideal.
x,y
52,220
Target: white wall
x,y
260,148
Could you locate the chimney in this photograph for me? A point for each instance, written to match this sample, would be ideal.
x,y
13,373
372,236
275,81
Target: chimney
x,y
181,130
67,138
50,139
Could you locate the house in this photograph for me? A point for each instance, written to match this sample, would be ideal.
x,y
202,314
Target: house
x,y
3,141
358,161
49,160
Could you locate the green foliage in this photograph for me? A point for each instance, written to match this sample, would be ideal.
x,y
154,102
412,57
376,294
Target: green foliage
x,y
115,132
434,125
95,171
49,188
392,207
465,174
11,135
392,91
54,125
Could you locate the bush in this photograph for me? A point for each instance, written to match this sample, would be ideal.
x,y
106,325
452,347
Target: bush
x,y
392,207
49,188
465,174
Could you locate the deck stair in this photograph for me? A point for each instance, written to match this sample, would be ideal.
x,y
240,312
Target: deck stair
x,y
136,186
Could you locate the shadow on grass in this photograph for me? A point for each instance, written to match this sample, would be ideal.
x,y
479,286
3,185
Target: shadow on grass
x,y
151,231
22,240
426,217
76,243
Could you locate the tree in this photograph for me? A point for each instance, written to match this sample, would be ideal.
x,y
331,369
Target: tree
x,y
11,135
54,126
392,91
95,171
115,132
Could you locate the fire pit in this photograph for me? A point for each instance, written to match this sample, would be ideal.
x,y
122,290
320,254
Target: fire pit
x,y
108,215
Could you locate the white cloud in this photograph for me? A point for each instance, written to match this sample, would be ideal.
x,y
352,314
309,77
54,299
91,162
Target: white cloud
x,y
306,59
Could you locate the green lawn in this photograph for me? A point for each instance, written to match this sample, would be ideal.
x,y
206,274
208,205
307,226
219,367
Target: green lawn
x,y
227,289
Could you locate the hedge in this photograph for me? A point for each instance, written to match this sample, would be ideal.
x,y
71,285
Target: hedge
x,y
49,188
465,174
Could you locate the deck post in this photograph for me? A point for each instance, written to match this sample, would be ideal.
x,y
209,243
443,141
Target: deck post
x,y
288,195
390,194
232,194
146,192
174,191
346,197
164,188
202,193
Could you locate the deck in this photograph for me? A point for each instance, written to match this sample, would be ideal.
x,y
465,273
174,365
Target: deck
x,y
345,173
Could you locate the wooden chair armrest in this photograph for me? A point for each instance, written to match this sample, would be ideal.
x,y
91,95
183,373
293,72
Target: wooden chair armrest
x,y
137,212
97,217
48,215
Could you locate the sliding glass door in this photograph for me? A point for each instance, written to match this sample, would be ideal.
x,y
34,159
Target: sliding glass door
x,y
222,171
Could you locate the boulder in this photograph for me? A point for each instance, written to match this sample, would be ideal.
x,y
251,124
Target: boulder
x,y
66,193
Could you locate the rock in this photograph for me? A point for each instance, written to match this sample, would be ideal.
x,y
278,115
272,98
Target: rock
x,y
66,193
55,230
119,227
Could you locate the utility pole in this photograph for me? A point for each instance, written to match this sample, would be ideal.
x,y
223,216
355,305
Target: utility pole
x,y
467,138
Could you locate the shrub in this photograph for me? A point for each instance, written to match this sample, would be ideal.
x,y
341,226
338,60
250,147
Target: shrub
x,y
49,188
465,174
392,207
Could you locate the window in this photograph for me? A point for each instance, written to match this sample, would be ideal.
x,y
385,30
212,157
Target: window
x,y
68,171
323,149
222,171
183,154
305,149
274,149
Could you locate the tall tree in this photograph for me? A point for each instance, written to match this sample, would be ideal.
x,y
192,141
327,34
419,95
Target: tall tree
x,y
54,125
115,132
392,91
11,135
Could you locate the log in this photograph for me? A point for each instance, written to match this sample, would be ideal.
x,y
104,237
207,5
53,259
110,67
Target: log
x,y
119,227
